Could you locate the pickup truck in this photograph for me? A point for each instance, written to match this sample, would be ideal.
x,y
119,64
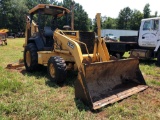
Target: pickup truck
x,y
144,46
110,37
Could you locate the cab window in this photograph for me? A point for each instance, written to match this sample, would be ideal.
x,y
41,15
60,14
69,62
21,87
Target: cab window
x,y
155,25
147,25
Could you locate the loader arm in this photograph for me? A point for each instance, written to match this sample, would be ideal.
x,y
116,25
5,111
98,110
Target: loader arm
x,y
72,46
100,52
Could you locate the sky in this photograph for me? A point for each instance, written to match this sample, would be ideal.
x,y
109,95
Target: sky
x,y
111,8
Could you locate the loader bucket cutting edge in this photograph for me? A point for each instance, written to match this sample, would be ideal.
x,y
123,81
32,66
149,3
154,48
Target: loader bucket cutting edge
x,y
108,82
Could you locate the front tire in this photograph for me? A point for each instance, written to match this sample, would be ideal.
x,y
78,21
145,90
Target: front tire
x,y
31,57
57,69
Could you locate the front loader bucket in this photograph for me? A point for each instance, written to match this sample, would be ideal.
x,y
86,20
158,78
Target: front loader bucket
x,y
107,82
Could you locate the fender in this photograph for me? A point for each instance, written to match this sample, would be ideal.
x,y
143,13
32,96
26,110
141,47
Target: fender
x,y
38,42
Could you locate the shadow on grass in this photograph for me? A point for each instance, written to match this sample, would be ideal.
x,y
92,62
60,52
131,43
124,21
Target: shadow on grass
x,y
84,107
71,77
38,74
146,61
81,106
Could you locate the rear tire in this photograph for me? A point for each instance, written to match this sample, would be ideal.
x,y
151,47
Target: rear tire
x,y
31,57
57,69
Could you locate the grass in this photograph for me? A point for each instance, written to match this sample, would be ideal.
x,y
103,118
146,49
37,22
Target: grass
x,y
32,96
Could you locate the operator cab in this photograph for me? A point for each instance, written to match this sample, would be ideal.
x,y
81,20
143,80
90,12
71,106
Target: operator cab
x,y
45,17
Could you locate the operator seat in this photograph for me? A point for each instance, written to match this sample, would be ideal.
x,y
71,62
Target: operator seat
x,y
47,31
48,34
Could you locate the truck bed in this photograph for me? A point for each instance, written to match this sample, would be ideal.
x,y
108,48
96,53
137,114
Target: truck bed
x,y
120,46
125,44
120,42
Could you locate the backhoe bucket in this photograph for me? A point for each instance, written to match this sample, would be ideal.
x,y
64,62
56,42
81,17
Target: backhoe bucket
x,y
107,82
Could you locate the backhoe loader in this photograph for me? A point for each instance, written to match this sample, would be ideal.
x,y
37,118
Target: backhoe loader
x,y
101,80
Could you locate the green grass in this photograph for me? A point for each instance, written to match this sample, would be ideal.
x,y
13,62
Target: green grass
x,y
32,96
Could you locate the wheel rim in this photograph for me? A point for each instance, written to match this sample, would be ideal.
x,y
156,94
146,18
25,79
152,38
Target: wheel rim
x,y
28,58
52,70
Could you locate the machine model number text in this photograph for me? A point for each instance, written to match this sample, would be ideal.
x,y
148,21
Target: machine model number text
x,y
70,45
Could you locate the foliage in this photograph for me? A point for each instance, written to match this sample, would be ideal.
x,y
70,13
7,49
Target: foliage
x,y
13,17
146,11
4,13
109,23
17,15
127,19
124,18
81,20
136,20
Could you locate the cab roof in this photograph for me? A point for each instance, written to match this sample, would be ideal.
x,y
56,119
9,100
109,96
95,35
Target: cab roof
x,y
49,9
154,18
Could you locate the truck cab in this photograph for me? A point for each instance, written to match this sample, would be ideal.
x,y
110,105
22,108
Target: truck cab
x,y
148,39
149,33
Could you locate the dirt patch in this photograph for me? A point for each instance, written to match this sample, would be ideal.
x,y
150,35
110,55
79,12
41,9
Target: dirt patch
x,y
152,91
156,88
150,77
20,70
102,115
151,97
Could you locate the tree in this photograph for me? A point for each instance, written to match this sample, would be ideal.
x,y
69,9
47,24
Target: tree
x,y
90,24
124,18
109,23
156,14
17,15
81,20
146,11
4,8
31,3
136,20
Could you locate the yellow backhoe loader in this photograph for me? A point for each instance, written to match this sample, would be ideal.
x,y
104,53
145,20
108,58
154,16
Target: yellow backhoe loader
x,y
101,80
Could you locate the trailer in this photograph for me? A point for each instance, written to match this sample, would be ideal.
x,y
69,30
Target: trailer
x,y
3,39
3,36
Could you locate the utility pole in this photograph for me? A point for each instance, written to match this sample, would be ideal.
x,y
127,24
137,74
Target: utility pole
x,y
72,15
